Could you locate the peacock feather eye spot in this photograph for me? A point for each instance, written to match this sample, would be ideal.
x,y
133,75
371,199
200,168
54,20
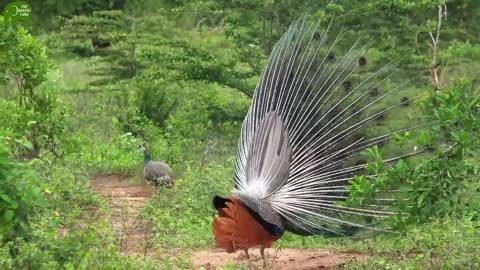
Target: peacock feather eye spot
x,y
405,101
374,92
362,61
347,85
330,57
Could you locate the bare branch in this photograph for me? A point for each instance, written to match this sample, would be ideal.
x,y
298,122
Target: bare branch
x,y
197,26
417,48
219,27
433,40
437,82
442,74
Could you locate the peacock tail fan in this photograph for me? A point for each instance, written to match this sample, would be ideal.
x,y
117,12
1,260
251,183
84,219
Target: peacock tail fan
x,y
318,105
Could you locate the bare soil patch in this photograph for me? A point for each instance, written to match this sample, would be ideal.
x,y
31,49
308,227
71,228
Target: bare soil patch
x,y
281,259
126,201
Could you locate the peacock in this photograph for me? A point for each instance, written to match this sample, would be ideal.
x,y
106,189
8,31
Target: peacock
x,y
315,110
156,172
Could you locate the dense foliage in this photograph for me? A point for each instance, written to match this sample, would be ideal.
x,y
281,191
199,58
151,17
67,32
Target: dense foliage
x,y
91,80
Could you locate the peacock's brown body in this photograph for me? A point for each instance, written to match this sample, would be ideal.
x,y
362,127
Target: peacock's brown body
x,y
237,229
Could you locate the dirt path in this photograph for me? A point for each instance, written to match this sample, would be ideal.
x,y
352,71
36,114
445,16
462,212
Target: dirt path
x,y
135,234
280,259
126,201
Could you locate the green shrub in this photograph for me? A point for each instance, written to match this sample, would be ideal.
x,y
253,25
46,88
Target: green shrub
x,y
36,113
21,194
441,185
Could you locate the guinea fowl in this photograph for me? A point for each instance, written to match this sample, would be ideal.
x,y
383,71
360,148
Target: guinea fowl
x,y
301,142
155,172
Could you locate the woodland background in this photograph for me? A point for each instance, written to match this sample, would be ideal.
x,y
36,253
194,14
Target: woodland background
x,y
89,81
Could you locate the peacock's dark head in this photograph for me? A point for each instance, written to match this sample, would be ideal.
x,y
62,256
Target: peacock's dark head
x,y
146,156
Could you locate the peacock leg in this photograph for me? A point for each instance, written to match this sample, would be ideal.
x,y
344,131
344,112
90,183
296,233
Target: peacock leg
x,y
262,252
246,254
248,258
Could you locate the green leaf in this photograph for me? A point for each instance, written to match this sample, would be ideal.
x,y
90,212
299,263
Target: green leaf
x,y
25,143
420,199
6,198
8,215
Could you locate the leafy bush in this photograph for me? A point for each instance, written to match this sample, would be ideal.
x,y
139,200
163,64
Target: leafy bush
x,y
442,185
37,114
463,50
155,104
20,195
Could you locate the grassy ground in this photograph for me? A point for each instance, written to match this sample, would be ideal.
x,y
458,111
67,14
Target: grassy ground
x,y
183,215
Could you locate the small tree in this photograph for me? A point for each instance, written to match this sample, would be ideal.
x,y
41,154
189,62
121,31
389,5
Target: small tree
x,y
23,60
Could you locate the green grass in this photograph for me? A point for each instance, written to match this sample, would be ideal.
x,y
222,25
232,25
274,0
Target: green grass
x,y
441,244
72,72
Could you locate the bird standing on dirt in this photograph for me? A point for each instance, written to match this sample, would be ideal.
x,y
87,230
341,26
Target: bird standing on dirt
x,y
158,173
301,142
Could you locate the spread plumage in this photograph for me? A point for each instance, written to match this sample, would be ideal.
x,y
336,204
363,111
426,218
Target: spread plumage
x,y
301,141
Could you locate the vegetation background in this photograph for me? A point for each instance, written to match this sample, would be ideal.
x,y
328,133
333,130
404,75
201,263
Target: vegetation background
x,y
89,81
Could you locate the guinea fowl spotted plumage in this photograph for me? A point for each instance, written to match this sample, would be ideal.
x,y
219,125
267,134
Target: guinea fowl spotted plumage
x,y
155,172
301,142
